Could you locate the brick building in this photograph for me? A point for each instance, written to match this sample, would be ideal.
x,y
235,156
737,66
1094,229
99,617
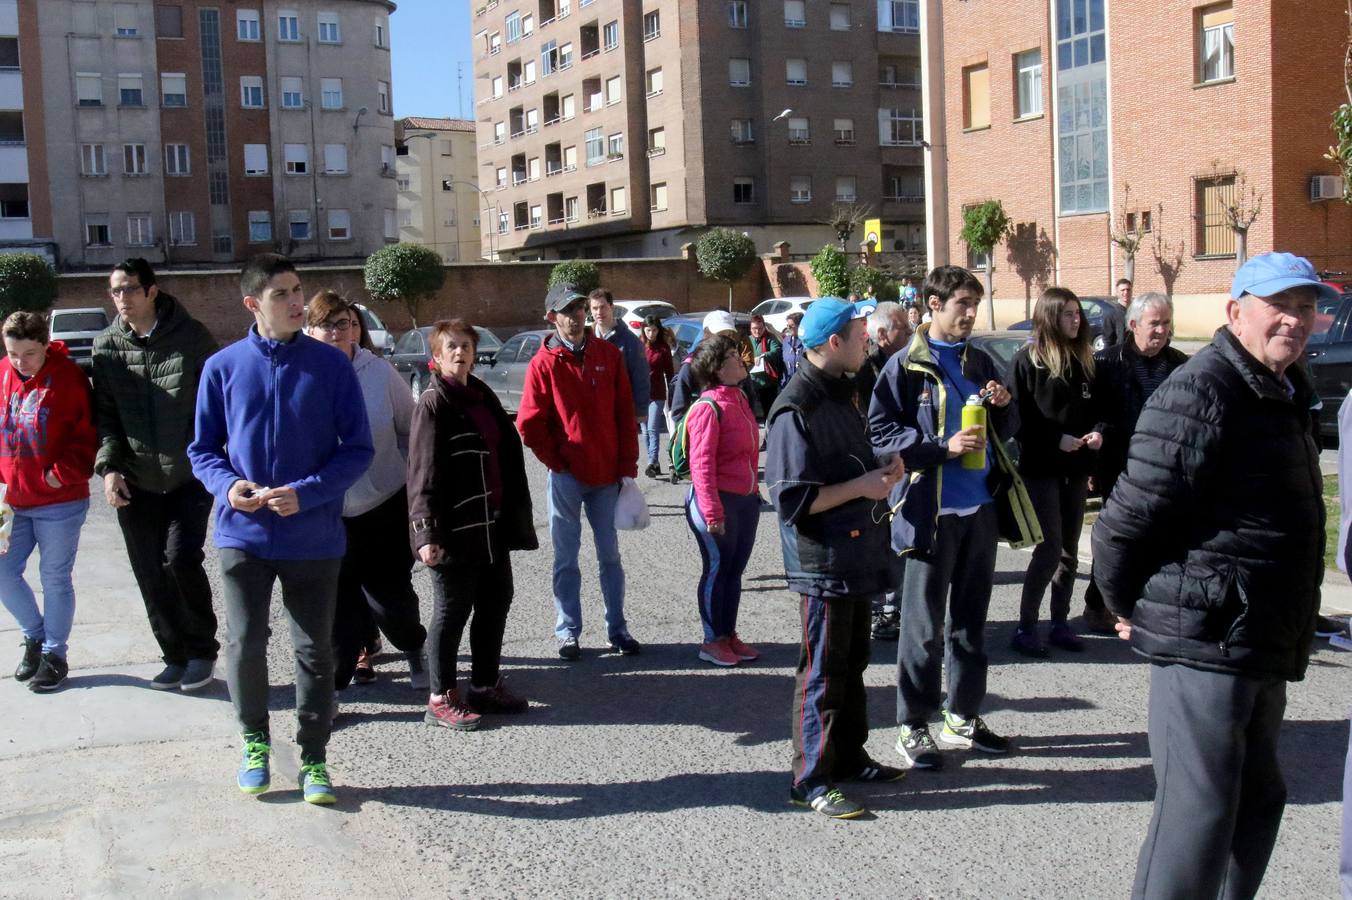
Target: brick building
x,y
1054,107
625,127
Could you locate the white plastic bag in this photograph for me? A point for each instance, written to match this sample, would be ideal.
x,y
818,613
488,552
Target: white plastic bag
x,y
631,509
7,519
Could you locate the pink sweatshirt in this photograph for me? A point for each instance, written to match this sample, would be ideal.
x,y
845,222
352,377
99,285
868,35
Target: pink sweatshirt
x,y
724,448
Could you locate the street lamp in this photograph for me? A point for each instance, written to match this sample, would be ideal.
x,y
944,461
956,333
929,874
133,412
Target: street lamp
x,y
769,157
488,207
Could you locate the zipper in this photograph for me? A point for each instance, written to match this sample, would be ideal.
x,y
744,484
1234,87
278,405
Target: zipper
x,y
1228,640
276,427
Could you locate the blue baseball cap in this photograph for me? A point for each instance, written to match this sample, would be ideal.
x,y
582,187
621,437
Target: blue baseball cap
x,y
828,316
1272,273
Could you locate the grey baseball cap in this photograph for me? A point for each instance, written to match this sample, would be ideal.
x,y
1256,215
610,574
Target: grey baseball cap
x,y
561,295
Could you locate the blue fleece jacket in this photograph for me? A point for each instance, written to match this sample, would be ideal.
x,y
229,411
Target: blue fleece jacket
x,y
281,415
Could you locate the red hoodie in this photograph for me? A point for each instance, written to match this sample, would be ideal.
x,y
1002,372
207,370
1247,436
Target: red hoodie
x,y
46,426
578,416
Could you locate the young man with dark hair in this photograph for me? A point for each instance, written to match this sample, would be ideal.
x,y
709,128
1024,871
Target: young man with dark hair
x,y
1115,314
148,364
826,481
281,436
602,308
944,518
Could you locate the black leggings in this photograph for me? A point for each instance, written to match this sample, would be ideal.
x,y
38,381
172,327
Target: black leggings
x,y
458,590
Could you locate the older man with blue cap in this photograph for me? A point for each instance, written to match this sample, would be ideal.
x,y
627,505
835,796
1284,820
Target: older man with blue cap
x,y
827,486
1210,552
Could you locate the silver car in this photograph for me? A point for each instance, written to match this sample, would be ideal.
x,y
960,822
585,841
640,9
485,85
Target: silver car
x,y
507,372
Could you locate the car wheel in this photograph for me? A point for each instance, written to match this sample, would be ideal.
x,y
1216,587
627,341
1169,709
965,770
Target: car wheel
x,y
1099,343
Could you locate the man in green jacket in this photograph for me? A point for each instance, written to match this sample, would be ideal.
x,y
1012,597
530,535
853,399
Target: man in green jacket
x,y
146,368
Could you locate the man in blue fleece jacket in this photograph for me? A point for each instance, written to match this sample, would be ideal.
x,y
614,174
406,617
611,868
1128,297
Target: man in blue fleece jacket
x,y
281,434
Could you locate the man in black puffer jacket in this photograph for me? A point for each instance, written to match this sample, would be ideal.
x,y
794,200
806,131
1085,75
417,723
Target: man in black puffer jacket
x,y
1210,552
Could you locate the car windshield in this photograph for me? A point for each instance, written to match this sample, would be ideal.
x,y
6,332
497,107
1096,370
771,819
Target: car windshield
x,y
83,321
373,322
1002,349
1324,319
487,339
661,310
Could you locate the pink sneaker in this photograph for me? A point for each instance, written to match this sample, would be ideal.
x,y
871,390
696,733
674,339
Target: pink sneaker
x,y
449,711
744,651
719,653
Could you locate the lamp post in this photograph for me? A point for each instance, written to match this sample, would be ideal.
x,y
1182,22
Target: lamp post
x,y
769,159
488,207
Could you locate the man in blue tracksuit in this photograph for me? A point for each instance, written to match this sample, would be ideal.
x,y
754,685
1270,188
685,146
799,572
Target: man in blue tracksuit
x,y
825,482
281,434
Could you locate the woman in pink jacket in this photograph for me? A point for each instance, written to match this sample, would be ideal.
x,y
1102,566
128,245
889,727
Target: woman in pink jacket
x,y
723,507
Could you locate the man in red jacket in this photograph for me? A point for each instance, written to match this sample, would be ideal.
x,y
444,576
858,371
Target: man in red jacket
x,y
577,417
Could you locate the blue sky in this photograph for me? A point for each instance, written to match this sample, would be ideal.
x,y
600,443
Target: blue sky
x,y
429,37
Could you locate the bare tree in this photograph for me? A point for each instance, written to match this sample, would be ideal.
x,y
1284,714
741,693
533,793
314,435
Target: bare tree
x,y
1341,152
1169,259
1127,231
845,218
1241,209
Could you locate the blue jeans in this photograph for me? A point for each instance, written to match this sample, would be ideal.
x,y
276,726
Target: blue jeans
x,y
725,557
55,530
653,430
567,497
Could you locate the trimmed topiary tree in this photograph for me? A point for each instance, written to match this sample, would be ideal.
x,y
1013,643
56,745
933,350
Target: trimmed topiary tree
x,y
581,272
984,226
724,255
27,282
884,285
405,273
832,271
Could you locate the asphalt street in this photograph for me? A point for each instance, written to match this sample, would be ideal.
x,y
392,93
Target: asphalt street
x,y
656,775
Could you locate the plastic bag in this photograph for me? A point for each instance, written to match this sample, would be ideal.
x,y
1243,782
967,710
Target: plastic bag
x,y
631,509
6,519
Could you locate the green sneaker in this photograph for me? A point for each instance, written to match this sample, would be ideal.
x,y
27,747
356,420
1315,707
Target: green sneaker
x,y
315,784
971,734
254,777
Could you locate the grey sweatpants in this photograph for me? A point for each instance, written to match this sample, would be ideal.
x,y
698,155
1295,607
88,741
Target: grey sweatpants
x,y
1219,793
309,593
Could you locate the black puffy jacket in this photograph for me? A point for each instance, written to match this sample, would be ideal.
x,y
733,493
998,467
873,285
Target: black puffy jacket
x,y
1121,397
1212,541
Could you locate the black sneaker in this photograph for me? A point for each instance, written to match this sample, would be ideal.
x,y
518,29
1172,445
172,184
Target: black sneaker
x,y
885,627
197,674
170,677
971,734
653,471
1025,642
917,747
569,649
624,645
28,663
875,772
51,674
829,802
1328,626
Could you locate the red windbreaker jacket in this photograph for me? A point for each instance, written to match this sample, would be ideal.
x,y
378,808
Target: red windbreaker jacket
x,y
46,426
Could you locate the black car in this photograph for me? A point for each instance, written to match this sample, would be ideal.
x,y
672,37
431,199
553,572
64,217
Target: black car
x,y
412,354
1329,356
1093,312
688,328
1001,346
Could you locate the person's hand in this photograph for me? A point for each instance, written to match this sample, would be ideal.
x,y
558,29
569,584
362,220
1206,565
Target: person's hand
x,y
282,500
999,394
969,440
431,554
877,484
115,490
1123,628
245,496
1093,440
50,477
719,528
1070,443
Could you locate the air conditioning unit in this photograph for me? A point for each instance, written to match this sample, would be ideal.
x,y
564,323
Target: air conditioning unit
x,y
1326,187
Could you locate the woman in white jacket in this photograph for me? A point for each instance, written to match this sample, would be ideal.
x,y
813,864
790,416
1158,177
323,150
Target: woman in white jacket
x,y
375,584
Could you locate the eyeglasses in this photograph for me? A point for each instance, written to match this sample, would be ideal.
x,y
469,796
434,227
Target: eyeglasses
x,y
125,289
339,325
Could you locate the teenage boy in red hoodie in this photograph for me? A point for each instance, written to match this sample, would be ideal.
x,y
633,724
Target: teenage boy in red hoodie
x,y
47,445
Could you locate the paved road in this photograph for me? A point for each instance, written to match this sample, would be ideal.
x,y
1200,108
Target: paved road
x,y
648,776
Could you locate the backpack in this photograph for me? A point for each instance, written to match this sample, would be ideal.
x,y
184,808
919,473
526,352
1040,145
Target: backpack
x,y
680,440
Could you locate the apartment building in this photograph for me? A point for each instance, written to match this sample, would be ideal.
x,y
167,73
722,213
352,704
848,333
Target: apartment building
x,y
1055,107
25,215
199,132
626,127
437,174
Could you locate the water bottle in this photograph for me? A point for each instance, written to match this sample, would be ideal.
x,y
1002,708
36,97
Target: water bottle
x,y
974,413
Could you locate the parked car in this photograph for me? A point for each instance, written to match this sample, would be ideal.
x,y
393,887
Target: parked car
x,y
1329,356
776,310
506,372
1001,345
412,353
78,328
375,326
688,328
633,312
1093,313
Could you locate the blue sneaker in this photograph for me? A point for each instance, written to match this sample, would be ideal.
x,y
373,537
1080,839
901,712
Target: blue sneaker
x,y
315,784
254,777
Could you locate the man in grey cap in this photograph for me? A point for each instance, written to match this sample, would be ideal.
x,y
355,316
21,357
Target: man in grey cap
x,y
577,417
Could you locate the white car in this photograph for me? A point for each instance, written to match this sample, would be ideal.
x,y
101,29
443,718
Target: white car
x,y
77,328
633,312
375,326
776,310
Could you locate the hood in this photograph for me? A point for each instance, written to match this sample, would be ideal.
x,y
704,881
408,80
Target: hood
x,y
363,358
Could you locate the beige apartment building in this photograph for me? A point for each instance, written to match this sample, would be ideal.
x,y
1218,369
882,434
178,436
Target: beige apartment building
x,y
627,127
437,174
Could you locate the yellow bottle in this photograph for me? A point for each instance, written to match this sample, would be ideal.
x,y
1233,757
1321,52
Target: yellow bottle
x,y
974,413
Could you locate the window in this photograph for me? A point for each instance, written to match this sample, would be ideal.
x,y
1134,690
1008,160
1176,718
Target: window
x,y
97,232
657,196
844,129
615,146
1028,83
177,160
907,187
532,174
795,16
795,71
528,72
384,45
383,96
800,188
536,216
298,221
297,158
130,90
652,25
657,141
549,57
847,188
741,131
610,36
251,91
512,25
900,15
618,201
9,54
293,92
255,159
567,107
405,183
288,27
340,225
406,218
1216,43
246,24
124,20
14,201
386,157
182,229
900,127
739,72
88,89
173,87
842,74
595,145
527,25
840,17
335,159
447,149
743,190
798,131
92,160
570,209
976,97
532,121
499,132
1081,107
737,14
501,176
497,86
654,80
169,21
504,221
1214,197
134,159
329,32
570,158
260,226
391,226
613,90
138,230
331,93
